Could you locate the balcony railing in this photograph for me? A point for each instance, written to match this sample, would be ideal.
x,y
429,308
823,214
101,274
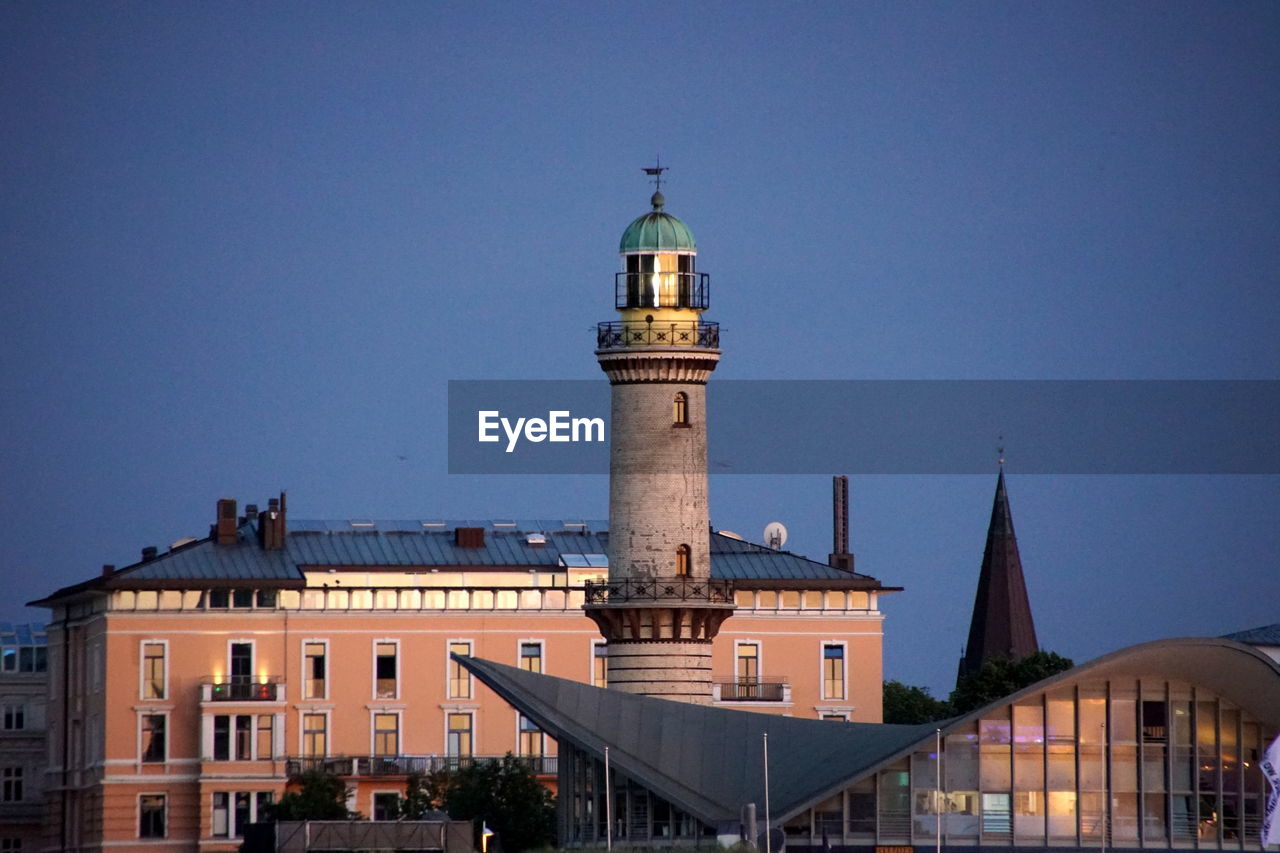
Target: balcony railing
x,y
403,765
752,690
662,290
260,689
684,333
659,589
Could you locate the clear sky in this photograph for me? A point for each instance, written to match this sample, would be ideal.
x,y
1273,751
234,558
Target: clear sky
x,y
243,247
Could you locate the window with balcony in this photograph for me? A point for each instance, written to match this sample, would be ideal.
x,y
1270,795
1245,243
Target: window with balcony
x,y
833,671
384,664
153,671
599,663
459,678
315,729
531,739
151,816
386,734
531,656
240,655
15,717
313,669
458,742
153,738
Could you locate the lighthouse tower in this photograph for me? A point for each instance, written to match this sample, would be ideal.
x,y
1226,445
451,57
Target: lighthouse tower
x,y
660,608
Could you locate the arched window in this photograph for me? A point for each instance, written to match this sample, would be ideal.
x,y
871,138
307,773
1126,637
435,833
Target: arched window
x,y
682,560
680,409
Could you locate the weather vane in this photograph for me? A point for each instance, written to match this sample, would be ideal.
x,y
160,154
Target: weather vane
x,y
656,171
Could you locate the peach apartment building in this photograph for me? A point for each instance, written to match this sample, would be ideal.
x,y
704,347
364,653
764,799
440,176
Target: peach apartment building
x,y
187,688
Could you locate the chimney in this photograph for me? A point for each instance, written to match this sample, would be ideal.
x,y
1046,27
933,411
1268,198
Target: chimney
x,y
468,537
840,558
271,525
148,553
225,527
108,569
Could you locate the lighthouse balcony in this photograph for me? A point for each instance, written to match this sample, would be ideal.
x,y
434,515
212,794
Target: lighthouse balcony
x,y
660,590
680,333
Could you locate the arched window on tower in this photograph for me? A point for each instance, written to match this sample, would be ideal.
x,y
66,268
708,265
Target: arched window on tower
x,y
682,561
680,409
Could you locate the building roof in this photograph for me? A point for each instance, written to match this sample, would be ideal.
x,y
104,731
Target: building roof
x,y
364,544
708,760
705,759
657,231
1002,626
1265,635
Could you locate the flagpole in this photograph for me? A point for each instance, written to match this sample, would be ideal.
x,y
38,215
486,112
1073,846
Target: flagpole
x,y
608,804
937,786
768,835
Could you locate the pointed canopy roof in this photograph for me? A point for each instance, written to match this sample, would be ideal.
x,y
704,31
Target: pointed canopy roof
x,y
1002,626
707,760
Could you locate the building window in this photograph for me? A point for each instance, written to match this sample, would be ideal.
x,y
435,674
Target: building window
x,y
222,738
314,735
221,814
531,656
384,665
313,669
680,409
682,560
233,737
386,806
151,816
241,662
386,734
836,718
219,599
10,845
233,811
153,729
747,671
458,743
266,736
15,717
244,737
11,785
599,663
459,678
242,598
832,671
530,737
153,671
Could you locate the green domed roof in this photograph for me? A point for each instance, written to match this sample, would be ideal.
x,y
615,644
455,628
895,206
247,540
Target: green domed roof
x,y
657,231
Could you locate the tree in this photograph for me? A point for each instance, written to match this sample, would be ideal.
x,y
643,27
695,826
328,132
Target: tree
x,y
424,794
320,796
998,678
508,797
911,705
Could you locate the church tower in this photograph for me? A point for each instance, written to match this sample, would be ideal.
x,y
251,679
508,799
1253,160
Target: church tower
x,y
1002,626
660,608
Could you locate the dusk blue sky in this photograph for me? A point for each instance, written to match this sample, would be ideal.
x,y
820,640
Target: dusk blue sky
x,y
244,246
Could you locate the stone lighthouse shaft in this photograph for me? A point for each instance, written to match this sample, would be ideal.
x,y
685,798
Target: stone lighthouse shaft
x,y
660,608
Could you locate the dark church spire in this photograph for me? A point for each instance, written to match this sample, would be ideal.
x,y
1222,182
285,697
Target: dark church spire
x,y
1002,626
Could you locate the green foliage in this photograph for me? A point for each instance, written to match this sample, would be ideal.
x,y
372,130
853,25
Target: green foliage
x,y
910,705
320,796
998,678
424,794
508,797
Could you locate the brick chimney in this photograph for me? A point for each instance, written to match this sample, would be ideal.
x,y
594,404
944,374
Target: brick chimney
x,y
271,524
840,557
224,528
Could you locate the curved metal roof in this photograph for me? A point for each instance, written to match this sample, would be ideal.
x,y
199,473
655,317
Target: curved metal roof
x,y
657,231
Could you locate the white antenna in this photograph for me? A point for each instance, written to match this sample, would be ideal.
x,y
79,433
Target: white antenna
x,y
775,535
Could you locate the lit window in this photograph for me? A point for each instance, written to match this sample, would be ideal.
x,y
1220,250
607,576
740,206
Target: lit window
x,y
682,560
153,680
385,670
266,736
151,816
530,737
386,734
314,735
680,409
313,685
459,740
244,737
531,657
459,678
153,726
832,671
599,664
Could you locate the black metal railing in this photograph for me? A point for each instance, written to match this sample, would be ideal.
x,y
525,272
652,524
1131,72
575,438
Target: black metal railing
x,y
241,689
660,589
684,333
662,290
403,765
752,690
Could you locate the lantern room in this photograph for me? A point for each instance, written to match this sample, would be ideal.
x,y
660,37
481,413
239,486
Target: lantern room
x,y
659,279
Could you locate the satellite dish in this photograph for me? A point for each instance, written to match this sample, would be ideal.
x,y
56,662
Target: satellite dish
x,y
775,535
730,534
